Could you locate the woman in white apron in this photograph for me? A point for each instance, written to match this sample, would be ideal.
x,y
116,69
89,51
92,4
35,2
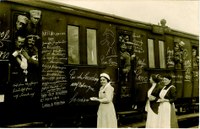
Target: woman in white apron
x,y
106,115
166,111
152,105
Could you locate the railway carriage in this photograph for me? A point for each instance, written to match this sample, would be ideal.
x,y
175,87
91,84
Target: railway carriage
x,y
51,56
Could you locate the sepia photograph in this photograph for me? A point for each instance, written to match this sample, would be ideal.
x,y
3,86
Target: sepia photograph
x,y
99,63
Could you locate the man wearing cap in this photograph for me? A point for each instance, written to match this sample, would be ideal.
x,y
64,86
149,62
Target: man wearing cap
x,y
131,74
17,53
31,51
130,49
179,54
21,25
131,53
35,16
125,63
21,60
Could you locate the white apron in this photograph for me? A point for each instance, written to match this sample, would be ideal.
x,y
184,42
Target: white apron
x,y
106,112
152,117
164,111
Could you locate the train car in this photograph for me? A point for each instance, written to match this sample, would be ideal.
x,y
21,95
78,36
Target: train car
x,y
51,56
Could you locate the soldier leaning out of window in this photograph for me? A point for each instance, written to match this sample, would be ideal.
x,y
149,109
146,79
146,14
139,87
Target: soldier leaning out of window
x,y
31,51
125,64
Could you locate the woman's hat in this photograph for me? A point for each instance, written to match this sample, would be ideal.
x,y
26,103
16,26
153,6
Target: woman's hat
x,y
105,75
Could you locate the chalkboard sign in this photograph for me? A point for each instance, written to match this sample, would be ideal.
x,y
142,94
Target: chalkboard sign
x,y
108,54
4,43
141,76
25,83
141,62
179,83
4,55
195,83
54,81
187,65
187,79
24,87
84,83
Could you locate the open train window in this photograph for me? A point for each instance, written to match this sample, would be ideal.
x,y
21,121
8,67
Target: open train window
x,y
91,47
162,54
73,45
151,54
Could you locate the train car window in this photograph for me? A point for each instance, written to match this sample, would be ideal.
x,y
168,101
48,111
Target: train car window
x,y
73,45
91,47
151,53
162,54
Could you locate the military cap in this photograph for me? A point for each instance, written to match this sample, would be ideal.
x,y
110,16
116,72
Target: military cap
x,y
35,13
22,18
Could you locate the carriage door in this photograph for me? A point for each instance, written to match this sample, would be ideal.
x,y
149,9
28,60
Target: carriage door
x,y
126,70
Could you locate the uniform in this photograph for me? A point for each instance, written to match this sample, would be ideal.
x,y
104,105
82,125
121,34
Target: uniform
x,y
106,112
166,110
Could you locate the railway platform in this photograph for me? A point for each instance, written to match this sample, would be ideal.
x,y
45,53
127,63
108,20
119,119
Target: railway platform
x,y
185,121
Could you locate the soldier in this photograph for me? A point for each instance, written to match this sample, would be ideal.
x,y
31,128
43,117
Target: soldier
x,y
21,24
31,51
35,16
125,64
31,54
179,53
19,44
130,50
21,60
131,74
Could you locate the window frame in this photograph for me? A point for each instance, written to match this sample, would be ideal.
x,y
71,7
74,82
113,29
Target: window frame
x,y
79,51
163,53
86,32
153,47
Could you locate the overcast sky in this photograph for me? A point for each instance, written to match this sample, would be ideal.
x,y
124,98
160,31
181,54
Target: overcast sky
x,y
181,15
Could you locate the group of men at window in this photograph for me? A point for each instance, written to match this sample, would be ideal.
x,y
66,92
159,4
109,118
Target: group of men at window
x,y
180,54
127,59
27,41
